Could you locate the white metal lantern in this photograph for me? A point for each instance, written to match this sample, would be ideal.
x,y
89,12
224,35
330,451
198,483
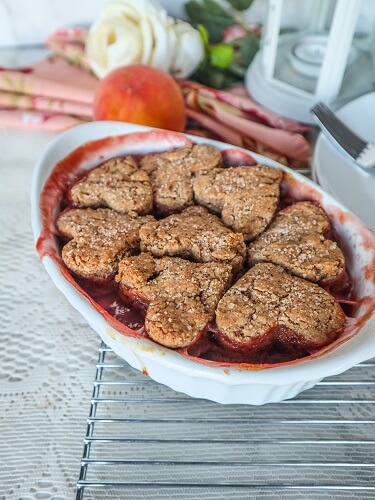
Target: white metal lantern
x,y
328,56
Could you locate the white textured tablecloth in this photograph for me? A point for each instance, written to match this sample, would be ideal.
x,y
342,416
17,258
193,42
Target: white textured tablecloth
x,y
48,351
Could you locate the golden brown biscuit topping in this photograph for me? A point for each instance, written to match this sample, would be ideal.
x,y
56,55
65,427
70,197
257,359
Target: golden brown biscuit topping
x,y
171,174
245,197
174,274
268,297
118,184
194,234
182,295
100,239
296,240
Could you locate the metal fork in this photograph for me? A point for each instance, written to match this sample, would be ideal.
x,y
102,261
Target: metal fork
x,y
362,152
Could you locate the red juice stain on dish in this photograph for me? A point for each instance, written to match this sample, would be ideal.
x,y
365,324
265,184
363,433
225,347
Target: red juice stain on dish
x,y
278,345
236,158
63,174
299,191
127,317
113,305
107,302
133,301
367,244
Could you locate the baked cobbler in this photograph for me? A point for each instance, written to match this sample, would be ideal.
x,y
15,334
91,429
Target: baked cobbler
x,y
181,296
99,239
194,234
269,306
172,172
246,198
298,240
180,274
119,184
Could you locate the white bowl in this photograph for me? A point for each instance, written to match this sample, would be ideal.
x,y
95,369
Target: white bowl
x,y
337,174
223,383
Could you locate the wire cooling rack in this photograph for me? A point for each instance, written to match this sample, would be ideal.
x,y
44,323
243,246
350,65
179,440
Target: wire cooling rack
x,y
146,441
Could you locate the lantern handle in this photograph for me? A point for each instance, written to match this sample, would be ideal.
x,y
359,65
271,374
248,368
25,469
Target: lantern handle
x,y
271,36
338,47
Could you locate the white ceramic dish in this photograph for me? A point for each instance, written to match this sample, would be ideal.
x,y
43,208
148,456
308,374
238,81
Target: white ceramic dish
x,y
224,384
351,185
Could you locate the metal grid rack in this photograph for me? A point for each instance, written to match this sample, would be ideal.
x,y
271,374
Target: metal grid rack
x,y
146,441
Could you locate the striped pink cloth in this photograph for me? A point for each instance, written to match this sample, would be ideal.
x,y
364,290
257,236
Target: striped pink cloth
x,y
57,93
53,94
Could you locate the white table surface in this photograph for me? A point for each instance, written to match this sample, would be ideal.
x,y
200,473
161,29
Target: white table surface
x,y
48,351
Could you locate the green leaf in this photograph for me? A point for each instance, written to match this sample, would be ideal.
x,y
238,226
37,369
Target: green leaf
x,y
240,4
215,77
215,7
204,34
237,69
221,56
211,15
249,46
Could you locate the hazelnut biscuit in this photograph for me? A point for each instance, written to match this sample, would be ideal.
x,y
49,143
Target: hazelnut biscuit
x,y
245,197
181,295
268,304
99,239
171,174
194,234
118,184
297,240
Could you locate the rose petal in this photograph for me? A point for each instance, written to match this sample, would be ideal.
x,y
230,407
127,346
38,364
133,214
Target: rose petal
x,y
189,51
147,39
164,43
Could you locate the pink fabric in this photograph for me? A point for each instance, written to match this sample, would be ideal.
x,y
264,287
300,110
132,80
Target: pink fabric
x,y
36,120
57,95
246,104
77,34
30,102
52,77
224,133
70,44
290,144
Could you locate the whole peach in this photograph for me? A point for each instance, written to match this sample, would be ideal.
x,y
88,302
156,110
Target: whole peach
x,y
140,94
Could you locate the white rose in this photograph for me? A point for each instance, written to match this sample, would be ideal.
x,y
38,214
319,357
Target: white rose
x,y
141,32
189,51
130,32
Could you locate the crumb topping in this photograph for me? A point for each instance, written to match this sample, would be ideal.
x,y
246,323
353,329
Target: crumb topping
x,y
190,257
171,174
296,240
267,297
194,234
118,184
245,197
100,238
182,295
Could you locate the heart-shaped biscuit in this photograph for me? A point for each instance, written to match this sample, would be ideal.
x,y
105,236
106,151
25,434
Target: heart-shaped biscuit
x,y
269,305
99,239
118,184
297,240
171,174
194,234
181,295
245,197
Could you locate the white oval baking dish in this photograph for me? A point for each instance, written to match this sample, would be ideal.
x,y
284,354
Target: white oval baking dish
x,y
223,384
